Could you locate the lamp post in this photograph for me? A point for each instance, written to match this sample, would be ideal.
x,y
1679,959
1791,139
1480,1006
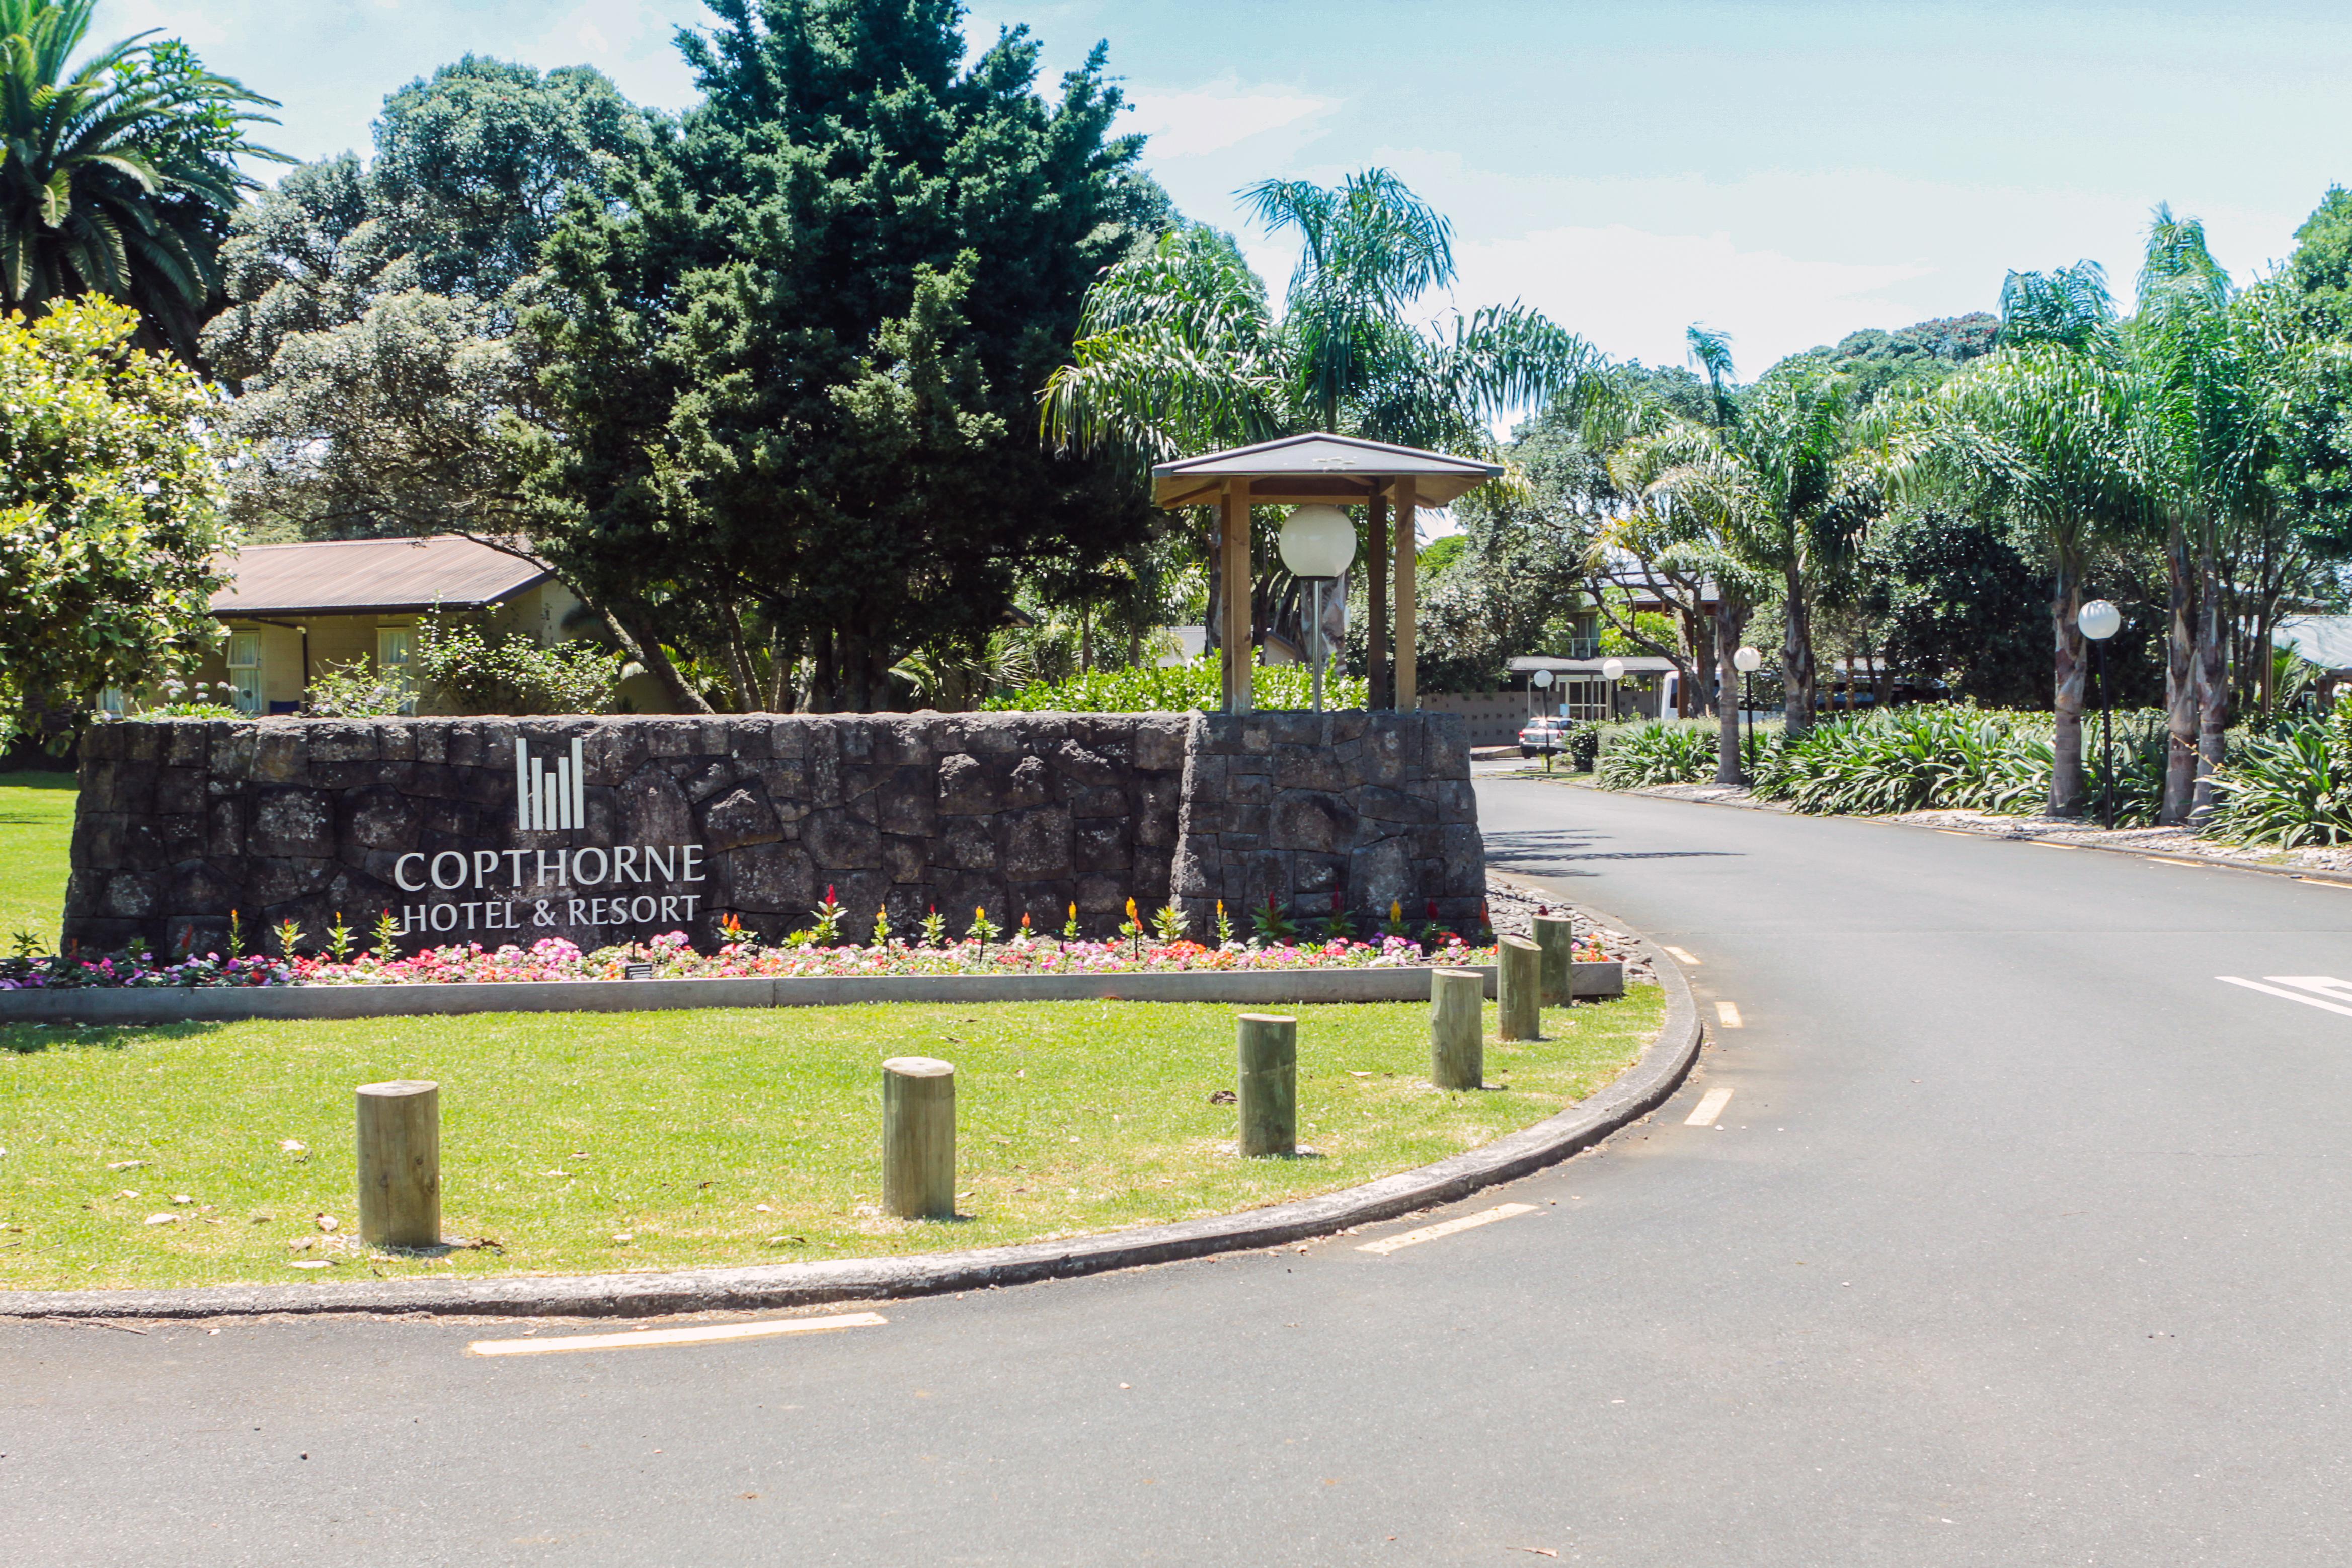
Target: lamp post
x,y
1317,543
1541,681
1613,672
1746,660
2100,620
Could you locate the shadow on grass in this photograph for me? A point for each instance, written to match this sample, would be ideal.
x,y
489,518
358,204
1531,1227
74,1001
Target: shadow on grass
x,y
25,1039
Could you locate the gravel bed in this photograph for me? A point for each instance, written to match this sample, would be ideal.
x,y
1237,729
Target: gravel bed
x,y
1513,908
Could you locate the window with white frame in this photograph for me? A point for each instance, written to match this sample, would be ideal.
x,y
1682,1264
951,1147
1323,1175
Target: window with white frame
x,y
393,646
245,670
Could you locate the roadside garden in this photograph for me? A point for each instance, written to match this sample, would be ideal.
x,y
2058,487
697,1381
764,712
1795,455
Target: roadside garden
x,y
193,1154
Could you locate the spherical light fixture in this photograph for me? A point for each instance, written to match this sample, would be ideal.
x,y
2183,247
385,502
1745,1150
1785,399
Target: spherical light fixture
x,y
1747,661
2099,620
1317,542
1542,678
1613,669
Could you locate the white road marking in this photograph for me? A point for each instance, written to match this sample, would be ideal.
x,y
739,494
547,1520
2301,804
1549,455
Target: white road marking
x,y
1728,1011
1956,833
2315,882
2047,843
1709,1108
2168,860
763,1330
2307,1001
1387,1245
1678,955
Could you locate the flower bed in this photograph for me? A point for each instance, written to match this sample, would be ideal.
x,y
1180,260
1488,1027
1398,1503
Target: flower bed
x,y
671,957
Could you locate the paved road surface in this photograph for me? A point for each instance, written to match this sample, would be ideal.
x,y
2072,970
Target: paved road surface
x,y
2022,1240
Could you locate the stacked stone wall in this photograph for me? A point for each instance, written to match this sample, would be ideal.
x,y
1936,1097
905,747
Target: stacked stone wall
x,y
688,823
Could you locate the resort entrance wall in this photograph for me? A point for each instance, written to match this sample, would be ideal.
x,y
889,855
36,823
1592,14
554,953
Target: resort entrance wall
x,y
605,830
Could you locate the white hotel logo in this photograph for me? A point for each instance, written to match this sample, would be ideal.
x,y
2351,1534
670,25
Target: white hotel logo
x,y
549,797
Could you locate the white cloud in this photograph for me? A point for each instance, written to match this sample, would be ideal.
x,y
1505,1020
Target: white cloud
x,y
1632,292
1224,113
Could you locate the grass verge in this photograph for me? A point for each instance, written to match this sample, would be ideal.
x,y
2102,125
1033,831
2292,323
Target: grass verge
x,y
36,813
581,1141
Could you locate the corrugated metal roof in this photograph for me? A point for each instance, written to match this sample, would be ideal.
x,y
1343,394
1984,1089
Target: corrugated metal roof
x,y
383,576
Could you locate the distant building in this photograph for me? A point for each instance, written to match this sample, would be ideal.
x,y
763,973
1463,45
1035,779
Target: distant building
x,y
292,610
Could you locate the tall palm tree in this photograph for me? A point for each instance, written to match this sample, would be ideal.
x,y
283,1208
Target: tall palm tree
x,y
2044,428
1180,350
119,173
1780,488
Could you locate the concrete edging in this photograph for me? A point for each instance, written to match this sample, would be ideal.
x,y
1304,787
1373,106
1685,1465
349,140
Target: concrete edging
x,y
226,1004
1635,1093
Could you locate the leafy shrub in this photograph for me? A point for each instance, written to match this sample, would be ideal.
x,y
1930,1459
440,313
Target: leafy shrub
x,y
2291,787
1583,745
511,672
1149,688
354,691
1657,753
1912,759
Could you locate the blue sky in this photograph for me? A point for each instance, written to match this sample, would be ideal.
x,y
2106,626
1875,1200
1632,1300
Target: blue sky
x,y
1785,172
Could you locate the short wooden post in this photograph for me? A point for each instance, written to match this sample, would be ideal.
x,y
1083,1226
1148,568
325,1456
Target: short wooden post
x,y
919,1138
1556,935
400,1163
1457,1028
1266,1046
1518,989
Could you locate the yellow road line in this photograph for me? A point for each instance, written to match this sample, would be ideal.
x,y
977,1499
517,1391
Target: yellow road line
x,y
1708,1109
1678,954
2051,843
1728,1011
2164,860
715,1332
1387,1245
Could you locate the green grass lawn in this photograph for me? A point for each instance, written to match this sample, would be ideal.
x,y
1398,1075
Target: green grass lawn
x,y
35,831
632,1140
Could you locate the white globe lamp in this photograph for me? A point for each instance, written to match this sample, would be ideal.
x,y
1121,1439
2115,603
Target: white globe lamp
x,y
1317,543
2099,620
1747,661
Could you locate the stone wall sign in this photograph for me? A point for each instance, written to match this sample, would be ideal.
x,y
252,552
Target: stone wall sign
x,y
602,830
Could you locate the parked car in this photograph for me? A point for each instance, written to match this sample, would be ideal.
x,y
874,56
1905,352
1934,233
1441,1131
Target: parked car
x,y
1542,733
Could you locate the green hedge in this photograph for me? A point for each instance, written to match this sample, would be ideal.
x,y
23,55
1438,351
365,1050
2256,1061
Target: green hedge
x,y
1145,689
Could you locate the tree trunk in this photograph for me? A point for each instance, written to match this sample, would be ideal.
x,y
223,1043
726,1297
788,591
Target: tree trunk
x,y
1727,704
2212,685
1797,660
2066,789
639,626
1211,640
739,659
2180,685
825,684
880,696
785,651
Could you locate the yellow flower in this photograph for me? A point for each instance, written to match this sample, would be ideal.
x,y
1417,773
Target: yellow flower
x,y
1074,911
1130,911
1396,910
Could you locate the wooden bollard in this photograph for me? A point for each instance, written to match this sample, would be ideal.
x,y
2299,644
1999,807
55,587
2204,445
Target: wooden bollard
x,y
1457,1028
919,1138
1266,1046
400,1163
1518,989
1556,935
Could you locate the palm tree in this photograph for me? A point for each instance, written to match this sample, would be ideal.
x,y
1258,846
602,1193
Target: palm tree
x,y
1179,349
1776,485
121,173
2043,426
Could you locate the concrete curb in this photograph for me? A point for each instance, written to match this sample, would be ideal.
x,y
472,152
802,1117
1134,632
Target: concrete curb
x,y
1639,1089
228,1004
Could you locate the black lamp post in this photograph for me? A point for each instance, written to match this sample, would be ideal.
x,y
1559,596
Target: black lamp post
x,y
2100,620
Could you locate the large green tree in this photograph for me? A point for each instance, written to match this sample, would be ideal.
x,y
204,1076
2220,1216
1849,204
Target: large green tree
x,y
369,328
110,517
790,382
121,170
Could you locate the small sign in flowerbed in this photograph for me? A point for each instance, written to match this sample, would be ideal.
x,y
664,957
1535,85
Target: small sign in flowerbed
x,y
1157,947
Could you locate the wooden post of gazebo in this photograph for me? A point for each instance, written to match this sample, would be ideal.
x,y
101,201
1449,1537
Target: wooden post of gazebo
x,y
1336,470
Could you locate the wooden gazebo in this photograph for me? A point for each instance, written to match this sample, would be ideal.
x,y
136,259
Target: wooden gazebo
x,y
1334,470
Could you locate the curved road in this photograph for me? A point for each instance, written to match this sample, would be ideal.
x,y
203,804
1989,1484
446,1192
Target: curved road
x,y
2021,1240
